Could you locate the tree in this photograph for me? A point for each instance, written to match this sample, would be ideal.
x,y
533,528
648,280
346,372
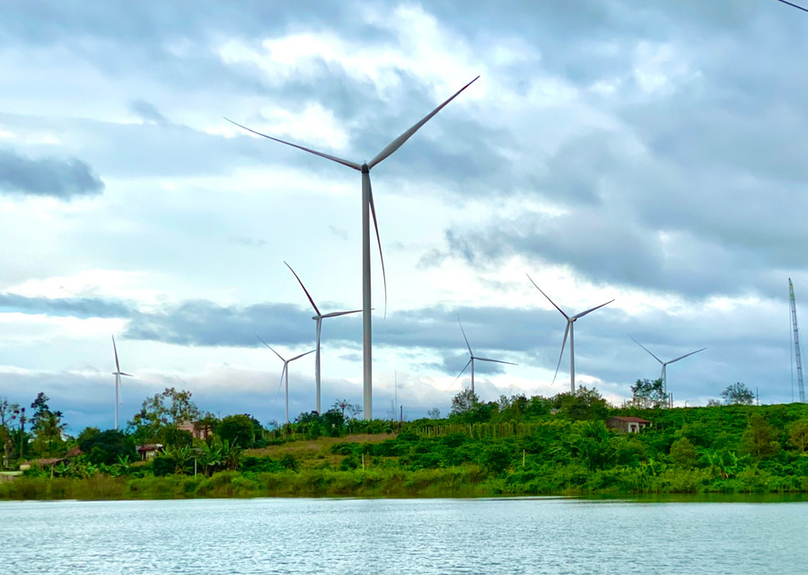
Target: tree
x,y
464,402
171,407
47,426
683,454
40,407
759,438
48,433
106,446
798,435
433,413
237,430
585,403
344,405
8,413
738,394
649,394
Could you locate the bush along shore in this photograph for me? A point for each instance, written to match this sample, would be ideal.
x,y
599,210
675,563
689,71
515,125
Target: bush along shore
x,y
514,447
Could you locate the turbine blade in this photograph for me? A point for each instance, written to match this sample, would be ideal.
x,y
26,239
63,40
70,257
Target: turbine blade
x,y
379,241
547,296
563,344
339,313
308,295
115,349
270,347
301,355
583,313
348,163
646,349
464,369
126,374
283,372
398,142
685,355
495,360
464,335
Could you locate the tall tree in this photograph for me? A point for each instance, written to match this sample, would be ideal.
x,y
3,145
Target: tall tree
x,y
169,408
649,394
738,394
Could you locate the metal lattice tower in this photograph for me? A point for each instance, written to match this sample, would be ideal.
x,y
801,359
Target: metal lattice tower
x,y
796,340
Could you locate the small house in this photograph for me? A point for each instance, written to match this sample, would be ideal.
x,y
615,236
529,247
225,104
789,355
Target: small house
x,y
149,451
51,461
198,429
627,424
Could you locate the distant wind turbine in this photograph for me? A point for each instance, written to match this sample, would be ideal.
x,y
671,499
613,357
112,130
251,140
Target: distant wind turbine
x,y
319,319
117,373
285,371
665,364
473,357
368,209
569,331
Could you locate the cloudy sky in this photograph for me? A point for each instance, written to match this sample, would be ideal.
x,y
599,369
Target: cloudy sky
x,y
650,152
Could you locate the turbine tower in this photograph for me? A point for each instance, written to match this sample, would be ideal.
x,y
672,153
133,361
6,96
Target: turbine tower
x,y
796,342
319,319
117,373
285,371
665,364
368,210
569,331
472,357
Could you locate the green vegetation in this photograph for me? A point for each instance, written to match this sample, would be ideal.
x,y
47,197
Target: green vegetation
x,y
514,446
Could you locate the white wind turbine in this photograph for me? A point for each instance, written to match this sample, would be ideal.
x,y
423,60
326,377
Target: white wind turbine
x,y
285,371
665,364
473,357
368,210
569,331
117,373
319,319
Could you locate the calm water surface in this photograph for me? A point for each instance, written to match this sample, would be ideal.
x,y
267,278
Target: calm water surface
x,y
544,535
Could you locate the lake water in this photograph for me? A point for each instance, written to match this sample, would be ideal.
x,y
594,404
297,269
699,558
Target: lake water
x,y
528,535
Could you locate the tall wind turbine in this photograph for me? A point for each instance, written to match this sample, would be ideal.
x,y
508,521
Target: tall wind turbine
x,y
285,371
569,331
472,357
117,373
665,363
368,209
319,319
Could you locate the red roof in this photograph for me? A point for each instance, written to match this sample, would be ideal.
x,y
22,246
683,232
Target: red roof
x,y
631,419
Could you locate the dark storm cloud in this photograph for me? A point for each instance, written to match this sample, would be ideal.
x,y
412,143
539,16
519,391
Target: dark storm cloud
x,y
54,177
63,307
203,323
530,337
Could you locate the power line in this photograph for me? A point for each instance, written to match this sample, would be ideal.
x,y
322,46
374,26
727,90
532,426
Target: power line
x,y
798,7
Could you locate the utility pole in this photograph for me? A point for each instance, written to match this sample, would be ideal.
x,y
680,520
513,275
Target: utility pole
x,y
22,431
797,357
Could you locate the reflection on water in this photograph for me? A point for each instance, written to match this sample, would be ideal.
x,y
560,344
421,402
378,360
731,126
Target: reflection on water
x,y
531,535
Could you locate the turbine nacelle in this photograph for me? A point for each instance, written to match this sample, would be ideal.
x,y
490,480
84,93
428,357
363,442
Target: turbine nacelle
x,y
473,357
569,331
665,364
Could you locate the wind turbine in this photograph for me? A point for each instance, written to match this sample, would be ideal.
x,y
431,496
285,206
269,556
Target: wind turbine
x,y
569,331
285,371
665,363
472,357
319,319
368,210
117,373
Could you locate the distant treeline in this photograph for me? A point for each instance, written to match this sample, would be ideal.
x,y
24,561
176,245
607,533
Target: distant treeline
x,y
516,446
